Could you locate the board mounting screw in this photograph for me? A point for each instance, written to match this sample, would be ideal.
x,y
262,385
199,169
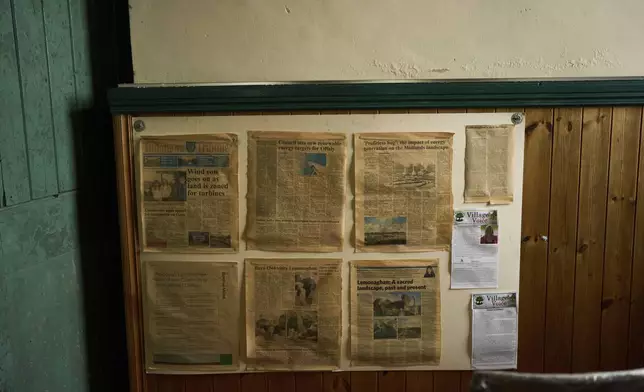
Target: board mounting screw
x,y
517,118
139,125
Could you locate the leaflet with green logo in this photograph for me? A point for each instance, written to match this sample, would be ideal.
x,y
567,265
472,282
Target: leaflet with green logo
x,y
494,330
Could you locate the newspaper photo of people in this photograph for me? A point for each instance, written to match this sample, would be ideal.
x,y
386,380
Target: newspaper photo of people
x,y
188,193
395,319
293,314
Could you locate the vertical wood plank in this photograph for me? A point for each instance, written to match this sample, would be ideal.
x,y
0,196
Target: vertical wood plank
x,y
280,382
199,383
227,382
466,380
253,382
447,381
336,382
564,194
80,31
308,381
420,381
593,185
61,89
620,220
32,60
364,381
534,225
14,163
636,319
171,383
151,384
391,381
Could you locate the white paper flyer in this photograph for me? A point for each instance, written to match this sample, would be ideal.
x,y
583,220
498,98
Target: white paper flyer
x,y
475,249
494,331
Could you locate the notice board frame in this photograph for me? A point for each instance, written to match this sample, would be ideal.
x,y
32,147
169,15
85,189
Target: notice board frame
x,y
129,100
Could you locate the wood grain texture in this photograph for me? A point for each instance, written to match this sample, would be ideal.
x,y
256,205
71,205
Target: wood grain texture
x,y
620,220
392,381
593,185
466,380
199,383
171,383
309,381
420,381
253,382
534,225
336,382
129,259
13,151
280,382
636,319
564,194
61,89
447,381
364,381
226,382
151,383
36,101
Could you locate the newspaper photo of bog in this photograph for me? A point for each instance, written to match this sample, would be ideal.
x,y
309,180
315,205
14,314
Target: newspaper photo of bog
x,y
191,313
395,313
489,154
475,249
403,191
296,190
188,193
293,314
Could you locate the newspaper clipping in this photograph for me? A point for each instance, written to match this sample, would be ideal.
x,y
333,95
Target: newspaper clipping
x,y
494,331
188,193
403,192
475,249
489,151
191,313
296,189
293,314
395,314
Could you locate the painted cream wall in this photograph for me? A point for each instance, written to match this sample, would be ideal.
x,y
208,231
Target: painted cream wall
x,y
285,40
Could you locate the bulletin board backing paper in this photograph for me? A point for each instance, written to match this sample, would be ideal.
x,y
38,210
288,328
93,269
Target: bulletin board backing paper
x,y
455,304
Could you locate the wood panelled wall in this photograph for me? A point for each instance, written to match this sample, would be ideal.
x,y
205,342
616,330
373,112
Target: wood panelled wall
x,y
582,262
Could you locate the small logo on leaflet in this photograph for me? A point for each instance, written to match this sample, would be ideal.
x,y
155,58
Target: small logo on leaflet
x,y
478,300
459,216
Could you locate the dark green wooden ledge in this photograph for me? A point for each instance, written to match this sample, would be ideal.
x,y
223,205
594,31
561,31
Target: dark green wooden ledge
x,y
139,99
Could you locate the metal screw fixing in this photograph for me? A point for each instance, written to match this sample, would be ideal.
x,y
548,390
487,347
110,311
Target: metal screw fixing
x,y
139,125
517,118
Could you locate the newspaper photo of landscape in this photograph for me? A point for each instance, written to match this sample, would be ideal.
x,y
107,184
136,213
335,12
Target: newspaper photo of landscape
x,y
403,191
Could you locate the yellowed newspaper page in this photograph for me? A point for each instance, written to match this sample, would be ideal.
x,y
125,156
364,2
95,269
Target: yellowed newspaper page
x,y
296,189
489,152
395,313
293,314
191,314
188,193
403,191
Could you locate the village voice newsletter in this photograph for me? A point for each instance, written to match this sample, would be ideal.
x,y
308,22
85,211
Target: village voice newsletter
x,y
475,249
494,331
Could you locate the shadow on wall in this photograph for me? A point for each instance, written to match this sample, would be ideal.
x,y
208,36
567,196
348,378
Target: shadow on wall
x,y
110,58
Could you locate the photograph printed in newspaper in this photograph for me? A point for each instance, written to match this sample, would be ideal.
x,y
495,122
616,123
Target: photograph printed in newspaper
x,y
293,314
188,193
489,153
475,249
395,313
191,313
296,189
403,191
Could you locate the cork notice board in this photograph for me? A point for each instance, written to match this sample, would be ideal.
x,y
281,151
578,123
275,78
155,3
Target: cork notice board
x,y
454,303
